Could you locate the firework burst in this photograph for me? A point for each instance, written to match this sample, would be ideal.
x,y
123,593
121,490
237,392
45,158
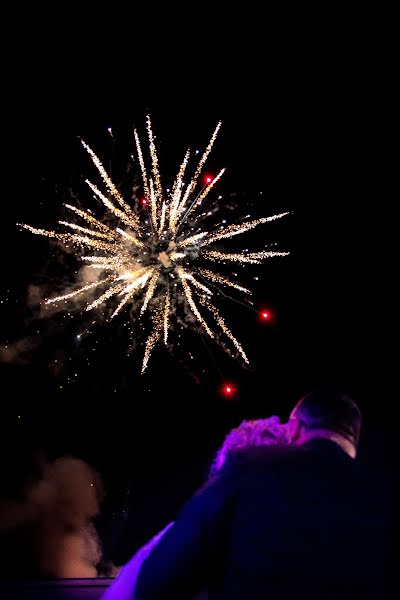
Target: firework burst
x,y
157,261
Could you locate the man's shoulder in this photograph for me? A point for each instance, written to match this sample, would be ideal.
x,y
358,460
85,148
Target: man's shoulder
x,y
268,454
281,455
272,451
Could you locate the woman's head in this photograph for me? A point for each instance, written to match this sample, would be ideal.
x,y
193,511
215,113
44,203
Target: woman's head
x,y
260,432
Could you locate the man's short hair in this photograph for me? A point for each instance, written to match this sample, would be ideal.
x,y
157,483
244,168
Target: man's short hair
x,y
331,410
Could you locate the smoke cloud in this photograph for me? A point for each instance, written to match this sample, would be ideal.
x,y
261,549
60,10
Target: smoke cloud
x,y
56,515
19,352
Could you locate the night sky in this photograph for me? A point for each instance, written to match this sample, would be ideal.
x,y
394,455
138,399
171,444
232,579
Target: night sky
x,y
297,135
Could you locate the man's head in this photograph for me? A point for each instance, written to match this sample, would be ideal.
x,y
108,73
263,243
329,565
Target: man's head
x,y
326,414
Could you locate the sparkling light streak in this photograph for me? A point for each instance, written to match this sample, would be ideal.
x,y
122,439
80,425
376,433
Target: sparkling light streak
x,y
150,257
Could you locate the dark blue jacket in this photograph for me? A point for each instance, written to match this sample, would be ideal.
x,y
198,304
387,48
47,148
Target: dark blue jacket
x,y
280,523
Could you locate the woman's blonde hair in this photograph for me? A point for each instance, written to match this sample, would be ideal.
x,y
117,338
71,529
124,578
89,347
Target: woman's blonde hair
x,y
258,432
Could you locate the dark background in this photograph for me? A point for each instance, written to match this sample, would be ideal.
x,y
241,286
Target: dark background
x,y
300,125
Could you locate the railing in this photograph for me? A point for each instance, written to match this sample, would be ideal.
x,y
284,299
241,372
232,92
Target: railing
x,y
55,589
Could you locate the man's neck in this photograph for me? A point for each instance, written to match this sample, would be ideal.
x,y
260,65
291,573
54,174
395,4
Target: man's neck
x,y
333,436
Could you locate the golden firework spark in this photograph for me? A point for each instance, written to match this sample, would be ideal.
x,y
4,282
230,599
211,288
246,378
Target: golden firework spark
x,y
157,262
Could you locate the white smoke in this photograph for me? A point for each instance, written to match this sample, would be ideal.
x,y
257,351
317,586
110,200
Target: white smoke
x,y
58,510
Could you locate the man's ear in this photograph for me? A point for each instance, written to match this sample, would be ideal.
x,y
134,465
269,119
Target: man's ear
x,y
293,429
